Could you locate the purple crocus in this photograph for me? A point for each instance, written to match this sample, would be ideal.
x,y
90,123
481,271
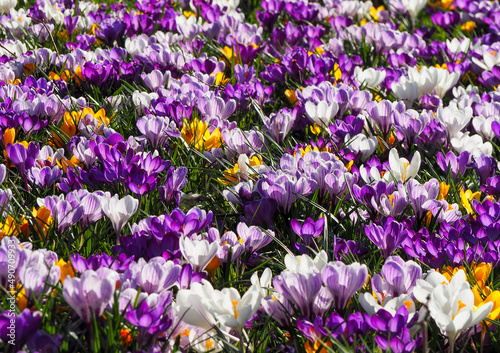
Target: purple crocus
x,y
155,79
149,316
393,332
485,167
386,238
175,180
156,276
299,289
157,129
308,231
110,30
396,278
44,177
283,188
253,238
343,281
25,325
381,114
91,293
23,158
456,165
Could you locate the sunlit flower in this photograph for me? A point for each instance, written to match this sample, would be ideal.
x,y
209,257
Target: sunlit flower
x,y
468,26
244,169
401,169
71,122
466,198
451,303
197,134
66,269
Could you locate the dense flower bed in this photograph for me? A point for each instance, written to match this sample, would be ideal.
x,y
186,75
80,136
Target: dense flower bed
x,y
268,176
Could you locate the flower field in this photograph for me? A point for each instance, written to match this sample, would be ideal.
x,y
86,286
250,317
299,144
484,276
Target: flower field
x,y
250,176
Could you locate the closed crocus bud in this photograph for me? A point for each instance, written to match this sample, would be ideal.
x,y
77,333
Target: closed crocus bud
x,y
119,211
369,77
343,281
3,173
406,90
322,113
414,6
90,293
7,5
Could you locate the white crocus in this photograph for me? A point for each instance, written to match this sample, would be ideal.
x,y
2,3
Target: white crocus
x,y
305,264
369,77
371,305
363,144
453,119
406,90
401,169
456,46
7,5
414,6
232,309
369,175
246,170
119,211
432,79
264,282
451,304
193,305
322,113
473,144
490,60
483,126
198,253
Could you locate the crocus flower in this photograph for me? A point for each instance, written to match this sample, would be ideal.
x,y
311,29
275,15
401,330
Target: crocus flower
x,y
321,113
392,330
457,165
91,293
7,5
198,252
454,119
119,211
396,278
253,238
299,289
308,231
381,114
400,168
156,277
414,6
370,77
18,328
343,281
386,238
193,305
451,303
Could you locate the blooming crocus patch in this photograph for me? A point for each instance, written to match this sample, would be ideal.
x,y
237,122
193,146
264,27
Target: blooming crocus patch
x,y
250,176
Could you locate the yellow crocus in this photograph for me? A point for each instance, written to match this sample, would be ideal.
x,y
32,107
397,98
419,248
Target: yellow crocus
x,y
220,79
292,98
65,163
66,269
198,135
469,26
443,190
43,219
466,197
